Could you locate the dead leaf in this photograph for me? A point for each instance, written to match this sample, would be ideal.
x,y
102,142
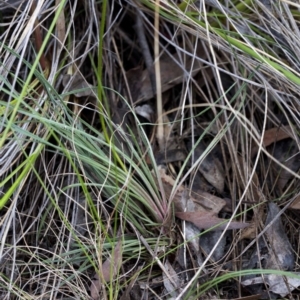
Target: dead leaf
x,y
208,241
169,156
134,80
172,73
281,254
282,286
274,135
208,201
108,271
172,286
146,111
191,234
199,208
205,220
257,220
132,288
287,153
276,284
77,85
249,232
296,203
185,199
210,168
60,26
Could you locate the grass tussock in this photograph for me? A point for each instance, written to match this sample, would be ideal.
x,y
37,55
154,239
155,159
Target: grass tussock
x,y
149,149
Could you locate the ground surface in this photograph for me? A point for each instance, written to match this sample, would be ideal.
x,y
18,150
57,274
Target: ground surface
x,y
149,150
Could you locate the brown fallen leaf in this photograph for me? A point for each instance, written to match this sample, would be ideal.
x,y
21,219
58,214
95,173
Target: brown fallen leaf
x,y
172,73
287,153
276,284
296,203
274,135
199,208
281,253
279,256
257,220
171,280
133,290
110,265
77,85
185,199
191,234
210,168
207,220
170,156
208,240
277,134
134,82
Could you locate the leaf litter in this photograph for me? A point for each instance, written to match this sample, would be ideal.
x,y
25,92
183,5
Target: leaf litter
x,y
279,255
